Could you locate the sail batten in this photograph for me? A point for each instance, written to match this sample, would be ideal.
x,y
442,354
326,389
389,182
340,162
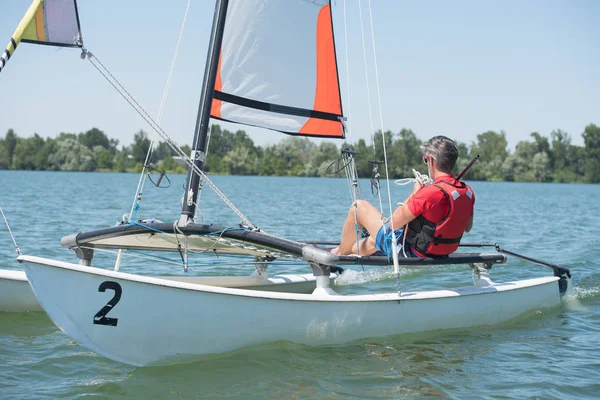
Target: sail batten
x,y
277,68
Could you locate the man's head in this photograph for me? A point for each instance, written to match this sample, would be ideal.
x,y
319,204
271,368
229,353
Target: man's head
x,y
443,151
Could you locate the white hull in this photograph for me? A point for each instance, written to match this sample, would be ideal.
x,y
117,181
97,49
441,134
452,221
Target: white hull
x,y
15,293
164,322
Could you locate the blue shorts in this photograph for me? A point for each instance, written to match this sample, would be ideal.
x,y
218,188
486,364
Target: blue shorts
x,y
383,242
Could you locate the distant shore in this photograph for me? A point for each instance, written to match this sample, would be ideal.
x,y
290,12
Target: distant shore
x,y
543,159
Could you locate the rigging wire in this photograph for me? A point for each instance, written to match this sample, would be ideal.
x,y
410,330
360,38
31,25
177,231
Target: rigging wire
x,y
200,186
146,117
17,249
138,193
349,114
350,166
137,197
387,178
364,48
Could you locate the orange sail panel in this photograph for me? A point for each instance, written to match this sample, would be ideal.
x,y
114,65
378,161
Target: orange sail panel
x,y
215,109
277,68
327,92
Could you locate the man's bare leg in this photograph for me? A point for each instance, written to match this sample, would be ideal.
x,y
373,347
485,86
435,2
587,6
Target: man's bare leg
x,y
368,217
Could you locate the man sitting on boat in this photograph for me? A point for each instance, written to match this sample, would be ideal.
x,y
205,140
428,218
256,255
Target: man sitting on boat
x,y
431,221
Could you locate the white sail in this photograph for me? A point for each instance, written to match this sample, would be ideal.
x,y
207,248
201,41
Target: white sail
x,y
277,68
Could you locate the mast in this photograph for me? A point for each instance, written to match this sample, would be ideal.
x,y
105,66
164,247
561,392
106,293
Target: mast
x,y
201,130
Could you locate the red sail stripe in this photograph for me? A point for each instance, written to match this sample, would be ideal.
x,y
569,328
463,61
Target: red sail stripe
x,y
327,93
215,109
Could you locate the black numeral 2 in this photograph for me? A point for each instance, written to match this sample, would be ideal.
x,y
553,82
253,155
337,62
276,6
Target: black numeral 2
x,y
100,318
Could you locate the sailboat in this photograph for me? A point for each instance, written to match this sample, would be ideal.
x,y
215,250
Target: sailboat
x,y
52,23
56,23
270,64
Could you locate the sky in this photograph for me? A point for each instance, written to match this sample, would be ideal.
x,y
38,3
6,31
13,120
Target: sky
x,y
445,68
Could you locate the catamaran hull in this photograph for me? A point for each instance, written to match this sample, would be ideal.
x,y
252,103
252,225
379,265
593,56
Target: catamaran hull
x,y
148,321
15,293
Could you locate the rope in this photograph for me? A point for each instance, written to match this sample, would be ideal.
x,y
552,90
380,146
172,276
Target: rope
x,y
394,243
347,71
419,177
200,186
351,175
146,117
17,249
137,198
364,48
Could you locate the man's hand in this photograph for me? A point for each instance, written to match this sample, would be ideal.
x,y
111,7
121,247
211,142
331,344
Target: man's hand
x,y
418,185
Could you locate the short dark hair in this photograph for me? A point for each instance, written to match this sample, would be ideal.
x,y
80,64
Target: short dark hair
x,y
443,151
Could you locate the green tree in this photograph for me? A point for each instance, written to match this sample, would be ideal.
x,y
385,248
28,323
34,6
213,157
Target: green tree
x,y
41,157
140,147
71,155
565,158
25,153
238,162
121,161
271,164
161,151
591,138
320,158
10,143
4,158
104,157
561,141
541,166
94,137
168,164
364,154
491,147
405,154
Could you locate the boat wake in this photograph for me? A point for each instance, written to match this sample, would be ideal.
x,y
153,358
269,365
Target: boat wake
x,y
587,288
352,277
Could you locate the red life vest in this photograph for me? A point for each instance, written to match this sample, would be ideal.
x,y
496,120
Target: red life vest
x,y
441,239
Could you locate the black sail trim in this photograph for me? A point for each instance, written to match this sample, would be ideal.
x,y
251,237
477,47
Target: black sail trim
x,y
49,43
280,130
276,108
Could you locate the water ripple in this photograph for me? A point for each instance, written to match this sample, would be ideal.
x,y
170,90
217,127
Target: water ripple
x,y
550,353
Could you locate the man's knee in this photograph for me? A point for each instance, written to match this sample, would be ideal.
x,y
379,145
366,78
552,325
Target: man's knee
x,y
358,204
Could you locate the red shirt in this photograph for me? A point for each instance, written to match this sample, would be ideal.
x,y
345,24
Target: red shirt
x,y
431,202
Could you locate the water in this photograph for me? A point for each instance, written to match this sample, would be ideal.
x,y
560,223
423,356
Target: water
x,y
550,353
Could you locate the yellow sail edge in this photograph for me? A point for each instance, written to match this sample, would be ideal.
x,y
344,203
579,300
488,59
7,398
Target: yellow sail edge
x,y
20,31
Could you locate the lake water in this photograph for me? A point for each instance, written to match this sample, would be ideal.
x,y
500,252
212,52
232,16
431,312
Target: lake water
x,y
552,353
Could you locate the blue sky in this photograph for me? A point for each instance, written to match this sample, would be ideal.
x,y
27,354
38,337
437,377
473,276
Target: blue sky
x,y
452,68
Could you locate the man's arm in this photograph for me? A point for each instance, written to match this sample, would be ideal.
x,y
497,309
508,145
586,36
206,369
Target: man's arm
x,y
402,215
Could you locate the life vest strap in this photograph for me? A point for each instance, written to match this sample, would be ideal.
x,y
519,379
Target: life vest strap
x,y
439,240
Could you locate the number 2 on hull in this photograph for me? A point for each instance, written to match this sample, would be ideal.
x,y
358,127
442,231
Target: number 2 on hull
x,y
100,318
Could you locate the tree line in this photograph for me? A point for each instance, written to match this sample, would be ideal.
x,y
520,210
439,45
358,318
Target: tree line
x,y
540,158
